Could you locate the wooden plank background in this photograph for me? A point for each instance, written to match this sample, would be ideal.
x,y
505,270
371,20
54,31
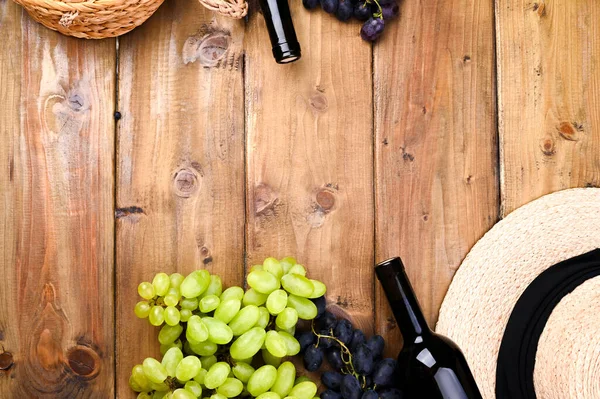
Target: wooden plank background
x,y
462,112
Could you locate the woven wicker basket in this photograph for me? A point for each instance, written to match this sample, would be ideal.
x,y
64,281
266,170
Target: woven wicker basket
x,y
98,19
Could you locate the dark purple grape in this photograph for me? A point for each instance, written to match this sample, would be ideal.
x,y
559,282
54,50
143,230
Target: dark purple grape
x,y
390,393
326,321
332,380
362,11
358,337
305,339
343,331
310,4
326,342
319,302
384,373
350,387
370,394
382,2
334,357
362,360
329,394
313,358
329,6
345,10
372,29
390,11
376,344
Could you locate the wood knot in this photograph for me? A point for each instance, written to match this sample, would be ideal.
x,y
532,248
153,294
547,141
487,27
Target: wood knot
x,y
318,102
548,147
539,8
75,101
6,360
209,49
84,361
568,130
325,199
266,200
185,183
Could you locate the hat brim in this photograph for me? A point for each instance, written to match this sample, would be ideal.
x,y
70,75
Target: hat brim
x,y
504,262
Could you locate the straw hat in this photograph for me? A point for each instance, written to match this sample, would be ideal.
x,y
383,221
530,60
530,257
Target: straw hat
x,y
525,304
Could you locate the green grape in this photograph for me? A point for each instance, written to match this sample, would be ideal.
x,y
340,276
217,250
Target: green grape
x,y
169,334
146,290
172,316
231,388
319,289
232,293
144,395
160,395
188,368
275,344
306,309
216,375
248,344
253,297
287,263
243,371
256,268
304,390
268,395
139,378
157,315
134,386
218,332
194,387
286,374
291,330
300,379
209,303
289,397
262,380
208,361
269,358
171,359
244,320
158,386
273,266
297,285
176,280
277,301
287,319
263,281
215,287
205,348
172,297
183,394
195,283
218,396
291,343
154,371
298,269
165,348
189,303
199,378
263,318
142,309
227,310
161,284
197,330
185,315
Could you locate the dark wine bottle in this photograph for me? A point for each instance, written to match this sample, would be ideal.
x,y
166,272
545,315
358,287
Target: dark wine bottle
x,y
429,365
285,45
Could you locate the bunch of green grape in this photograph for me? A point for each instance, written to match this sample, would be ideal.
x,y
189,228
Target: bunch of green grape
x,y
210,337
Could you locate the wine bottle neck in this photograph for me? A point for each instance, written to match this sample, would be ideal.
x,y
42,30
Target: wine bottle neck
x,y
402,299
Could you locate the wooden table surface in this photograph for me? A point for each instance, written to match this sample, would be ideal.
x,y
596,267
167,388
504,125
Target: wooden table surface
x,y
416,146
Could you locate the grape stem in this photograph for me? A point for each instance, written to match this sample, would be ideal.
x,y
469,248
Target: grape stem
x,y
379,13
344,351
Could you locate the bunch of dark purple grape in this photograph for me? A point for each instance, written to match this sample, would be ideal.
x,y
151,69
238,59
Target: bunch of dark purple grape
x,y
374,13
359,369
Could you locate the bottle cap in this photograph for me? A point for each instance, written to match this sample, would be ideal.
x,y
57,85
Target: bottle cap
x,y
285,53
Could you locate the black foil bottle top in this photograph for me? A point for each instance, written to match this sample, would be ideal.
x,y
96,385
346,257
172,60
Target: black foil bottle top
x,y
285,44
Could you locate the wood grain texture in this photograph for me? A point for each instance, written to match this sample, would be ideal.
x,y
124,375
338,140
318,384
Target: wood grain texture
x,y
310,159
56,212
549,97
180,161
435,147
